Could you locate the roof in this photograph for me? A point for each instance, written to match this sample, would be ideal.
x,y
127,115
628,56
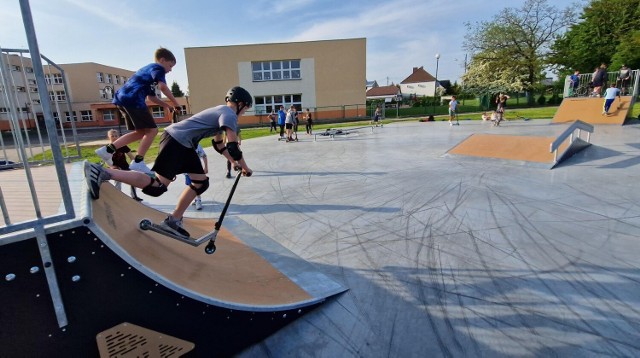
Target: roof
x,y
383,91
419,75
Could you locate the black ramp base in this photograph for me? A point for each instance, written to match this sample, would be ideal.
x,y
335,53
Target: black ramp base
x,y
101,291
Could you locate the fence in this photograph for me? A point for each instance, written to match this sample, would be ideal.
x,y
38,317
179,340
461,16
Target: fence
x,y
23,81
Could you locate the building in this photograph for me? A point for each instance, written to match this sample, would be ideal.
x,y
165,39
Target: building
x,y
419,83
79,91
324,76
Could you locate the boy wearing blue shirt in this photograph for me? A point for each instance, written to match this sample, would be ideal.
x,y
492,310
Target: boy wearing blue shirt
x,y
131,102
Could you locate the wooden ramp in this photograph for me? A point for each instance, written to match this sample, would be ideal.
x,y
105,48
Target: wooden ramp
x,y
589,110
524,150
248,272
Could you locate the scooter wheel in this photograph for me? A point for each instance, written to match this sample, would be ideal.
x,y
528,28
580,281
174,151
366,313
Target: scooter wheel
x,y
145,224
211,248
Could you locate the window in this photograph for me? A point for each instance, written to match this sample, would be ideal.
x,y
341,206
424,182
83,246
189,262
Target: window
x,y
100,77
276,70
86,116
60,96
5,110
68,116
21,89
57,79
52,96
266,104
31,82
109,115
28,69
108,78
33,89
36,101
117,80
157,112
16,68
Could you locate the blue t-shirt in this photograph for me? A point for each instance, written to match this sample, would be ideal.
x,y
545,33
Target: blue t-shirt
x,y
282,117
139,86
204,124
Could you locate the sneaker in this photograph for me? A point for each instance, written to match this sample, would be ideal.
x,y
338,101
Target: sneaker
x,y
175,226
140,167
95,175
228,175
198,204
104,155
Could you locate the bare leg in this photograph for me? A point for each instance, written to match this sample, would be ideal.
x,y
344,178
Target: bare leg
x,y
147,140
187,196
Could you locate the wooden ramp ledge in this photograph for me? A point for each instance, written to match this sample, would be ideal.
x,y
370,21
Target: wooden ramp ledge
x,y
589,110
248,272
526,150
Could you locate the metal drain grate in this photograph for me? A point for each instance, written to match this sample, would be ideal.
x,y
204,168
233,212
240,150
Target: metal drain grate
x,y
128,340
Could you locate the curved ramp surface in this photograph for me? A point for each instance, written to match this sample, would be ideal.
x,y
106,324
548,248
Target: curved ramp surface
x,y
248,271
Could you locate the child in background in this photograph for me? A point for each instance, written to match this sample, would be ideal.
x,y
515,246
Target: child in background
x,y
120,161
205,165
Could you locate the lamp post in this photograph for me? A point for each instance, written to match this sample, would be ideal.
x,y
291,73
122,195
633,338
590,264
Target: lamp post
x,y
435,85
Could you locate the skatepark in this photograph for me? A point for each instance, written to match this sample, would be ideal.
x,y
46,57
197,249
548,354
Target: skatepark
x,y
382,242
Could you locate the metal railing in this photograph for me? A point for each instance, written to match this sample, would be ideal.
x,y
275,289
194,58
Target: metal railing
x,y
578,126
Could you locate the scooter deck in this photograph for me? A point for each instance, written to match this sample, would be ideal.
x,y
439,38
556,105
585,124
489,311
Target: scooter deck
x,y
146,224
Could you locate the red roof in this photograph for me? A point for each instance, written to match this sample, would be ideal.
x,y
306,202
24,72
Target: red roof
x,y
419,75
383,91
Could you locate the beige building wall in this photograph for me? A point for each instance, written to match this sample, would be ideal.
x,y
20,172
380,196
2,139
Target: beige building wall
x,y
333,73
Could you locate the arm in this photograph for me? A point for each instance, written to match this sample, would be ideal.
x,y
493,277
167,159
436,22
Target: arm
x,y
232,137
167,92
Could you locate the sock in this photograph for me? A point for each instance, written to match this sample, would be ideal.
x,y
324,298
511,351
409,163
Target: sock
x,y
111,148
138,158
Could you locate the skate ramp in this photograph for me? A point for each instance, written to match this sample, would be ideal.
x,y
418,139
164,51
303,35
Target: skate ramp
x,y
589,110
249,271
535,151
524,150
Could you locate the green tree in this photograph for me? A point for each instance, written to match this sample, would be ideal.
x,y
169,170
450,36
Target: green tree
x,y
517,43
606,33
175,90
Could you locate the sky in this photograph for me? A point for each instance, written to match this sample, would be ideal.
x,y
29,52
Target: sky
x,y
401,34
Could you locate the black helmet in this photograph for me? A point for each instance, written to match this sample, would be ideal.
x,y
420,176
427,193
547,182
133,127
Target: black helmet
x,y
238,94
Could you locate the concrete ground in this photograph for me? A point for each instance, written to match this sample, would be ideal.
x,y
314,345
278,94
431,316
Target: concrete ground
x,y
449,256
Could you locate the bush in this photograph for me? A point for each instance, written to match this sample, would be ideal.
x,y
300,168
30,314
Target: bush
x,y
541,100
555,99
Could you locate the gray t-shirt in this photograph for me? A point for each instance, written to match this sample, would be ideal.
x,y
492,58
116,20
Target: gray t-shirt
x,y
207,123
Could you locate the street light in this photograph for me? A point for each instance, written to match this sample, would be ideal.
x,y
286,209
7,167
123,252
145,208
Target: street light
x,y
435,86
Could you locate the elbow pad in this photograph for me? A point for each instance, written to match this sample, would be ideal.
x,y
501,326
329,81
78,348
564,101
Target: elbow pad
x,y
215,146
234,150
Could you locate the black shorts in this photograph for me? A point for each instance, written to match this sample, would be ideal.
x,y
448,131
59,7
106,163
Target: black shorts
x,y
137,118
288,125
174,158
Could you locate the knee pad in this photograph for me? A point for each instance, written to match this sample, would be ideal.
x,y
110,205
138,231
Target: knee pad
x,y
154,191
202,188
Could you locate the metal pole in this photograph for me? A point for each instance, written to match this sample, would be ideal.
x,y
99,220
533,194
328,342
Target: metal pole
x,y
435,85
